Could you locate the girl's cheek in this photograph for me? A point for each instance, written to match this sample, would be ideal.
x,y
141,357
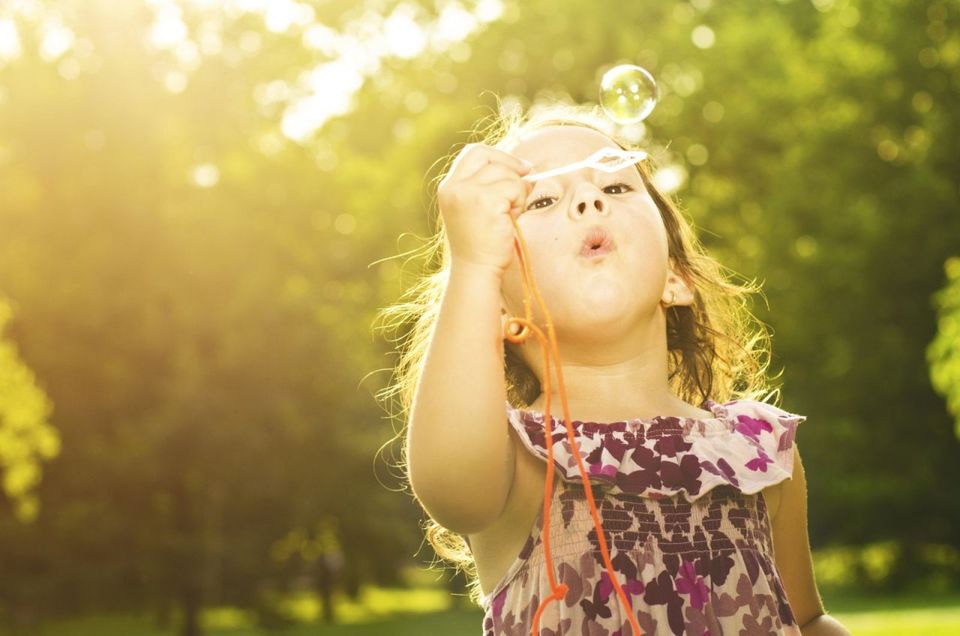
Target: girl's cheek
x,y
534,231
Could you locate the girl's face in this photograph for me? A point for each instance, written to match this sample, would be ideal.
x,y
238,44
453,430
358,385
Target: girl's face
x,y
599,297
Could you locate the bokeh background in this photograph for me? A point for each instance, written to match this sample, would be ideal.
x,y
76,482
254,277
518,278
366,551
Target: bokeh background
x,y
204,204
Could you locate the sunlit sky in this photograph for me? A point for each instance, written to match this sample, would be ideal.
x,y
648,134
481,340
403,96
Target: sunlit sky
x,y
354,53
350,54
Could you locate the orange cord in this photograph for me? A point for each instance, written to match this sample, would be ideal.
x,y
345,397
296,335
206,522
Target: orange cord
x,y
557,591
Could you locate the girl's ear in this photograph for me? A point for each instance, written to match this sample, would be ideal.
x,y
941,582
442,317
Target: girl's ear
x,y
504,316
676,291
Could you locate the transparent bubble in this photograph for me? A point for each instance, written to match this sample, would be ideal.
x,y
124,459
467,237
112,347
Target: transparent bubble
x,y
628,93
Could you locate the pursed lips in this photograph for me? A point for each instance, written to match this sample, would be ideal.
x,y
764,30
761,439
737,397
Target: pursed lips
x,y
597,243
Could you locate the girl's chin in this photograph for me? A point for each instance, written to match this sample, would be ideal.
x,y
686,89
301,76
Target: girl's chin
x,y
592,312
604,294
608,295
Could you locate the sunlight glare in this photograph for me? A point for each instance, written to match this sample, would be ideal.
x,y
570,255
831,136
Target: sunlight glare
x,y
9,40
321,38
356,52
175,81
188,54
404,37
168,28
669,179
211,42
339,76
332,88
454,24
250,42
205,175
30,9
489,10
703,37
249,6
272,92
56,40
304,116
280,15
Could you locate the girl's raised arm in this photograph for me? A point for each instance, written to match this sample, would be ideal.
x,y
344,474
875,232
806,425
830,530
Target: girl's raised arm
x,y
460,454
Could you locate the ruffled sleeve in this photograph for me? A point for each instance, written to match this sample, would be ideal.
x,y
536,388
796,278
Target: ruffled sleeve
x,y
747,444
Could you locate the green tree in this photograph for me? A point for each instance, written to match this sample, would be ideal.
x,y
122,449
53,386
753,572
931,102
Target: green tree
x,y
26,436
198,337
944,351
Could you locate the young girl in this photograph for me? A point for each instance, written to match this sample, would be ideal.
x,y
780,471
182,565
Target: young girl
x,y
696,484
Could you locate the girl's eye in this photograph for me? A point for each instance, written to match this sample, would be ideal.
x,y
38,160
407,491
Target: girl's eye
x,y
545,201
618,188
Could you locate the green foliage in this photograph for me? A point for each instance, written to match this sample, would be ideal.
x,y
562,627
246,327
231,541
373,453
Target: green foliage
x,y
26,436
944,351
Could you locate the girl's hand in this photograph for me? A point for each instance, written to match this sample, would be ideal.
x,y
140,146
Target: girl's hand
x,y
481,189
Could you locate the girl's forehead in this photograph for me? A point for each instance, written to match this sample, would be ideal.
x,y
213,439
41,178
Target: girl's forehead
x,y
560,144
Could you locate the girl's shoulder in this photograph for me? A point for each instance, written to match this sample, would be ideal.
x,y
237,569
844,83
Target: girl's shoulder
x,y
747,444
763,410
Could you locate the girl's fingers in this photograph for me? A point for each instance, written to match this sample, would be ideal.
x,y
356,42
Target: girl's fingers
x,y
494,172
512,192
475,156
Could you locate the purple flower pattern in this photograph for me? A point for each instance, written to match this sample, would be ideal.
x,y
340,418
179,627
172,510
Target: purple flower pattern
x,y
683,517
692,584
760,462
752,427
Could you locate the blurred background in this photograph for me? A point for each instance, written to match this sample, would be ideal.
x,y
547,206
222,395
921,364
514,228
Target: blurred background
x,y
204,204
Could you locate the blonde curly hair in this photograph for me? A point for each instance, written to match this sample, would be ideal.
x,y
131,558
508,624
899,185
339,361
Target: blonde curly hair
x,y
718,349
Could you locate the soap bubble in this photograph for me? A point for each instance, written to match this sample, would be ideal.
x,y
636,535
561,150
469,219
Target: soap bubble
x,y
628,93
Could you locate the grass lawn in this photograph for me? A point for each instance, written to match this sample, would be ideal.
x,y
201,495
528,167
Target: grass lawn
x,y
427,613
915,614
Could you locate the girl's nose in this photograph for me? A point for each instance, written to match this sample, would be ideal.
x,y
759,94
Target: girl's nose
x,y
589,199
597,204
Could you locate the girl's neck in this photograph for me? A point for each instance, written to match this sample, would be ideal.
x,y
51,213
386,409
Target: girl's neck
x,y
630,407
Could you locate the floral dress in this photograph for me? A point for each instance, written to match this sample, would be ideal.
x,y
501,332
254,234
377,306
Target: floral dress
x,y
684,521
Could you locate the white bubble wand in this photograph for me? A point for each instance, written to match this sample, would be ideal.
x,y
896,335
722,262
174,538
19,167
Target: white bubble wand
x,y
605,159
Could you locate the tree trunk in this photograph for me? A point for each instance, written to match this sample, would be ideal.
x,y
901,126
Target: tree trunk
x,y
190,604
162,617
24,619
325,588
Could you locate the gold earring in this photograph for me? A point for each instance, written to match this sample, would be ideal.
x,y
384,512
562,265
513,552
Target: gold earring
x,y
673,297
